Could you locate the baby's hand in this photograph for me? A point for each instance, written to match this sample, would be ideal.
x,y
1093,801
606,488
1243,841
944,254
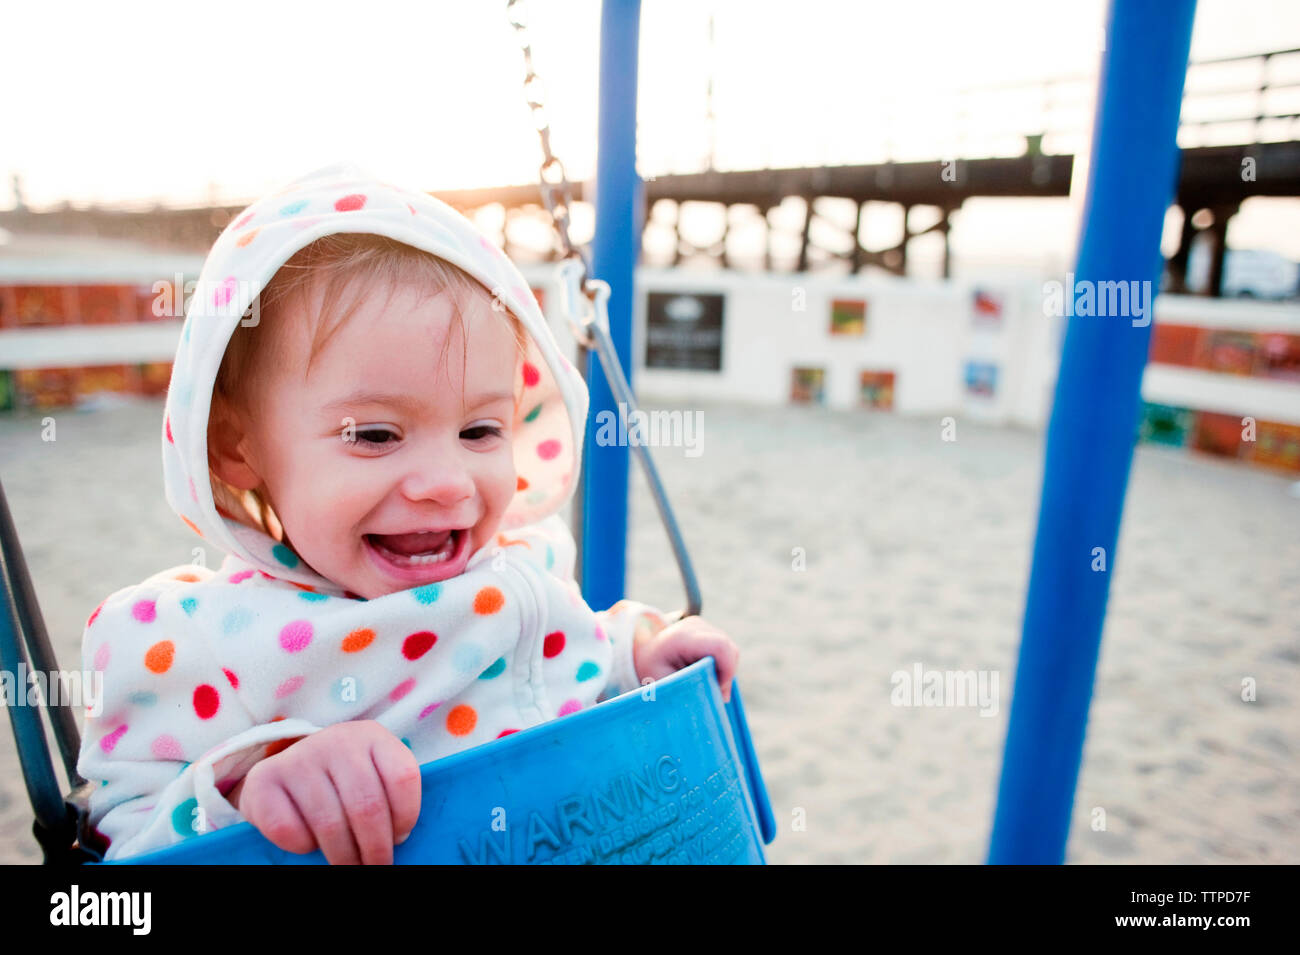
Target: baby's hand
x,y
681,644
352,790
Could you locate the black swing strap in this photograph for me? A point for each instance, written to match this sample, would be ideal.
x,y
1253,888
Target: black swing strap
x,y
24,646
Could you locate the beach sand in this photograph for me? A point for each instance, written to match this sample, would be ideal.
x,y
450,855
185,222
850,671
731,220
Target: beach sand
x,y
914,551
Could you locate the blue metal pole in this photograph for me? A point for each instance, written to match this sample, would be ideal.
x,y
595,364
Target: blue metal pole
x,y
614,253
1094,420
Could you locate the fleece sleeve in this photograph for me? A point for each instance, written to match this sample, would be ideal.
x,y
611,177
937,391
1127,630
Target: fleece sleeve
x,y
152,792
624,623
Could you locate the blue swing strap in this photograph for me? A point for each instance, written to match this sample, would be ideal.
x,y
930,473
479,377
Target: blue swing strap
x,y
24,648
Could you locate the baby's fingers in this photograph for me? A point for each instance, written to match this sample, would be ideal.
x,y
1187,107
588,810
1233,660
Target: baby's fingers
x,y
365,803
713,643
274,814
319,803
399,772
727,660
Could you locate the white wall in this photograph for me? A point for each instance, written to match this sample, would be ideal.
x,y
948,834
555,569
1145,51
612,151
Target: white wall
x,y
924,331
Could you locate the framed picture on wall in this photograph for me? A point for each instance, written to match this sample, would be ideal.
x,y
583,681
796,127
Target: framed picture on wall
x,y
1175,344
40,304
986,307
104,304
1217,433
848,316
876,390
684,330
981,379
1278,446
808,386
1279,356
1230,351
1165,424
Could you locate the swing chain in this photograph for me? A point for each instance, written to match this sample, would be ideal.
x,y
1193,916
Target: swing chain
x,y
555,193
585,303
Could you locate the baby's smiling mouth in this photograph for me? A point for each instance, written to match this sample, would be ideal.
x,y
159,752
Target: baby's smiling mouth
x,y
418,548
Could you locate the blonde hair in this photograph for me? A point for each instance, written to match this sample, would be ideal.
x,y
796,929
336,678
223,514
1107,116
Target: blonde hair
x,y
335,261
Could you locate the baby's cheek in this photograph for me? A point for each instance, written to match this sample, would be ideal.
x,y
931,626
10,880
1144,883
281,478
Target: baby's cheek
x,y
504,481
326,504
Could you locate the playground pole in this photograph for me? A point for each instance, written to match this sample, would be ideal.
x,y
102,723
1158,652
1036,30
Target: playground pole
x,y
614,253
1093,424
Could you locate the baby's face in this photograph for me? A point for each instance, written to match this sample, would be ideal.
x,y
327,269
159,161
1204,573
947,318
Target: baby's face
x,y
372,456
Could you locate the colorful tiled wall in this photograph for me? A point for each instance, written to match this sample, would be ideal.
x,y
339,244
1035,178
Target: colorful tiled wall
x,y
1273,355
30,306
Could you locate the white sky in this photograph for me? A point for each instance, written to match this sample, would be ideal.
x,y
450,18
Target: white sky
x,y
181,102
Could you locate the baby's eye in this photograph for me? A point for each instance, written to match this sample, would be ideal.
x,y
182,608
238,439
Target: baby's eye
x,y
480,432
374,437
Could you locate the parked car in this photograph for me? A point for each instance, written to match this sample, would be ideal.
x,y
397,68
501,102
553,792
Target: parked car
x,y
1247,273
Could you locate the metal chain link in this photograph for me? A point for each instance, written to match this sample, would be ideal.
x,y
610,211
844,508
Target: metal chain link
x,y
591,330
555,193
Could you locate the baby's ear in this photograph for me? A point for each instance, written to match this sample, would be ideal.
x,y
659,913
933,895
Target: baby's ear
x,y
228,450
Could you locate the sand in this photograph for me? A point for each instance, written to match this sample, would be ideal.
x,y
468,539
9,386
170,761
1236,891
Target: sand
x,y
915,551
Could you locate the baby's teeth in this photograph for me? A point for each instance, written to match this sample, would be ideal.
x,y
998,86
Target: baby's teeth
x,y
430,558
436,558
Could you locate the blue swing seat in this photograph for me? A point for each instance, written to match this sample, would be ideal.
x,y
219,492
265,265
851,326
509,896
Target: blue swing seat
x,y
662,774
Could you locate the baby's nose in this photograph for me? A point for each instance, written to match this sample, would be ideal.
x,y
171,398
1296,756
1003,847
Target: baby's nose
x,y
445,482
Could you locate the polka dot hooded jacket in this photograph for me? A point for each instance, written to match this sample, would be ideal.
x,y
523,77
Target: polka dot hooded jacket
x,y
206,672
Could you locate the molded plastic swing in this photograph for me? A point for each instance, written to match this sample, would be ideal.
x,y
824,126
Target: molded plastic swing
x,y
662,774
639,779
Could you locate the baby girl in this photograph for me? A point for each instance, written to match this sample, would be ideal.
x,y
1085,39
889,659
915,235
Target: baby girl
x,y
370,417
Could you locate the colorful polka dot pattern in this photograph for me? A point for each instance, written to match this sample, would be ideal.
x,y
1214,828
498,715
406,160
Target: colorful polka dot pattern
x,y
166,747
159,657
488,601
358,640
206,701
418,644
184,817
462,720
457,687
289,687
296,636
